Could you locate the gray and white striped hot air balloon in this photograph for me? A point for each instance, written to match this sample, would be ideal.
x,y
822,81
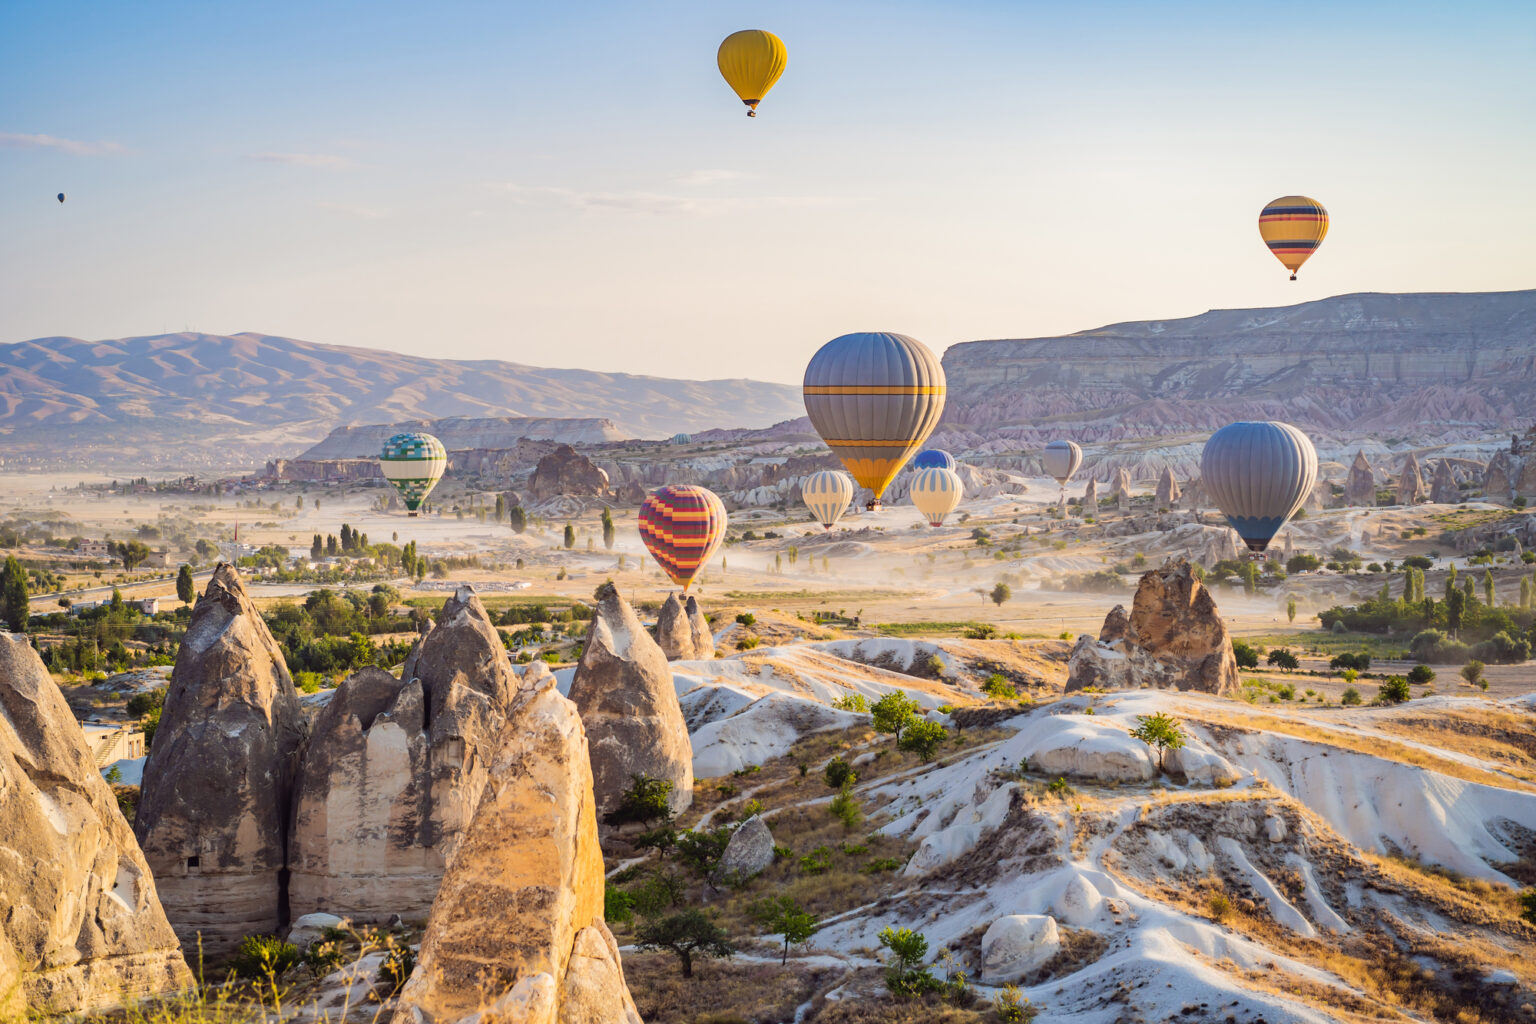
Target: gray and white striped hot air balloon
x,y
874,399
1258,474
1061,460
827,493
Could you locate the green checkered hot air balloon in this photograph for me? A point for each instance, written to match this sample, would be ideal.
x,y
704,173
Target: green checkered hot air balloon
x,y
414,463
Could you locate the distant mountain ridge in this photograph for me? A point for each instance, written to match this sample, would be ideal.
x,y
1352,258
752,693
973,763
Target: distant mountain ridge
x,y
1409,364
460,433
268,395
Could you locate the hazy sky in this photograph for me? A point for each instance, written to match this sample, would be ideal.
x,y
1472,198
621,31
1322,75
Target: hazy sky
x,y
572,184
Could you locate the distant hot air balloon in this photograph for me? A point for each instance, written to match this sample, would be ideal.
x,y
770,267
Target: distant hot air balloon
x,y
61,197
1293,227
1258,474
827,494
414,463
936,491
930,457
751,61
874,399
1061,459
682,526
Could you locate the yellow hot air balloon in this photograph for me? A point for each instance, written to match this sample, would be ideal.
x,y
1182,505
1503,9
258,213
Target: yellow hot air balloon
x,y
751,61
1293,227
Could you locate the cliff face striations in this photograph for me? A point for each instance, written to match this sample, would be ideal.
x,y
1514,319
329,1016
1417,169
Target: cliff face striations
x,y
1363,362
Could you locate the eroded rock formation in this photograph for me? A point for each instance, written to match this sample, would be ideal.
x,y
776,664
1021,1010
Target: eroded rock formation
x,y
1090,502
1360,487
567,471
1173,638
1410,482
213,808
674,633
394,770
703,636
1167,489
623,689
81,926
1444,490
517,932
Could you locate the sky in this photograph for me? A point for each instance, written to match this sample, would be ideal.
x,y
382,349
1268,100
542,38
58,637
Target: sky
x,y
574,185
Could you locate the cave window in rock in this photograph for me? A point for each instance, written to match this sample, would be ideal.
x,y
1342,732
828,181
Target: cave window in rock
x,y
452,752
193,863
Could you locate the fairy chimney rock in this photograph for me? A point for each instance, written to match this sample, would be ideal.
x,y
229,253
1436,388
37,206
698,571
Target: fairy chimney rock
x,y
1360,488
1410,482
214,805
674,633
703,636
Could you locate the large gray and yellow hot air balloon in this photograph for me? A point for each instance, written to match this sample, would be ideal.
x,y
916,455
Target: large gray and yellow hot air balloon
x,y
1258,474
874,399
414,463
827,493
936,492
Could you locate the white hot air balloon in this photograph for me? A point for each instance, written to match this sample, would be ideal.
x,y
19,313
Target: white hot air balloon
x,y
936,491
827,494
1258,474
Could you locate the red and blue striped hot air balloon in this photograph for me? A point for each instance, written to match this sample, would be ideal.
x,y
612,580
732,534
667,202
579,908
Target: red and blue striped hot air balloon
x,y
682,526
1293,227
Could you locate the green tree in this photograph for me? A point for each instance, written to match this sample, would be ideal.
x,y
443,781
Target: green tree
x,y
1488,597
894,712
1421,675
1351,696
609,532
132,553
922,737
186,590
1472,671
686,935
1455,607
1160,731
1246,654
837,773
15,603
904,974
646,800
781,915
317,548
1000,593
1283,659
1290,609
517,519
1394,690
570,536
845,806
501,507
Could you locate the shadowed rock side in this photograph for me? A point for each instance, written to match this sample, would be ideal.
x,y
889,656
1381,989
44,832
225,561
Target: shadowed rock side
x,y
1444,490
674,633
517,932
394,770
1167,489
1173,638
78,908
623,689
566,471
1360,487
213,809
703,636
1410,482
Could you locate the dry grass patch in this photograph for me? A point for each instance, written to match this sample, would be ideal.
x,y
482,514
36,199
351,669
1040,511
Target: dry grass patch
x,y
721,991
1502,737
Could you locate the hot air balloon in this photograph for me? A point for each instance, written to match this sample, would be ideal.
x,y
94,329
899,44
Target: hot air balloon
x,y
1062,459
874,399
751,61
61,197
936,491
1258,474
682,526
414,463
1293,227
827,494
930,457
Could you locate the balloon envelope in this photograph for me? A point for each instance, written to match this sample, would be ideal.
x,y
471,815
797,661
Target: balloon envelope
x,y
930,457
874,399
682,526
1293,227
827,494
751,61
1062,459
414,463
61,197
936,491
1258,474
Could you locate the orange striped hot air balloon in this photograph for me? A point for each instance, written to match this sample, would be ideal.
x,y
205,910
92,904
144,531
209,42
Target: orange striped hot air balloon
x,y
682,526
1293,227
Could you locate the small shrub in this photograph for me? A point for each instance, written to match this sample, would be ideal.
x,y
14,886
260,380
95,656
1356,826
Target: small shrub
x,y
618,906
646,800
747,619
998,687
922,737
845,808
1013,1008
839,773
1394,690
935,666
852,702
905,976
1421,675
881,865
1218,906
1351,697
263,956
818,861
324,956
746,643
398,964
1472,671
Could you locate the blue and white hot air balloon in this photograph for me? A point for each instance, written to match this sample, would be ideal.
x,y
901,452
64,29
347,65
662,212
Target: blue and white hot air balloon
x,y
1258,474
930,458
